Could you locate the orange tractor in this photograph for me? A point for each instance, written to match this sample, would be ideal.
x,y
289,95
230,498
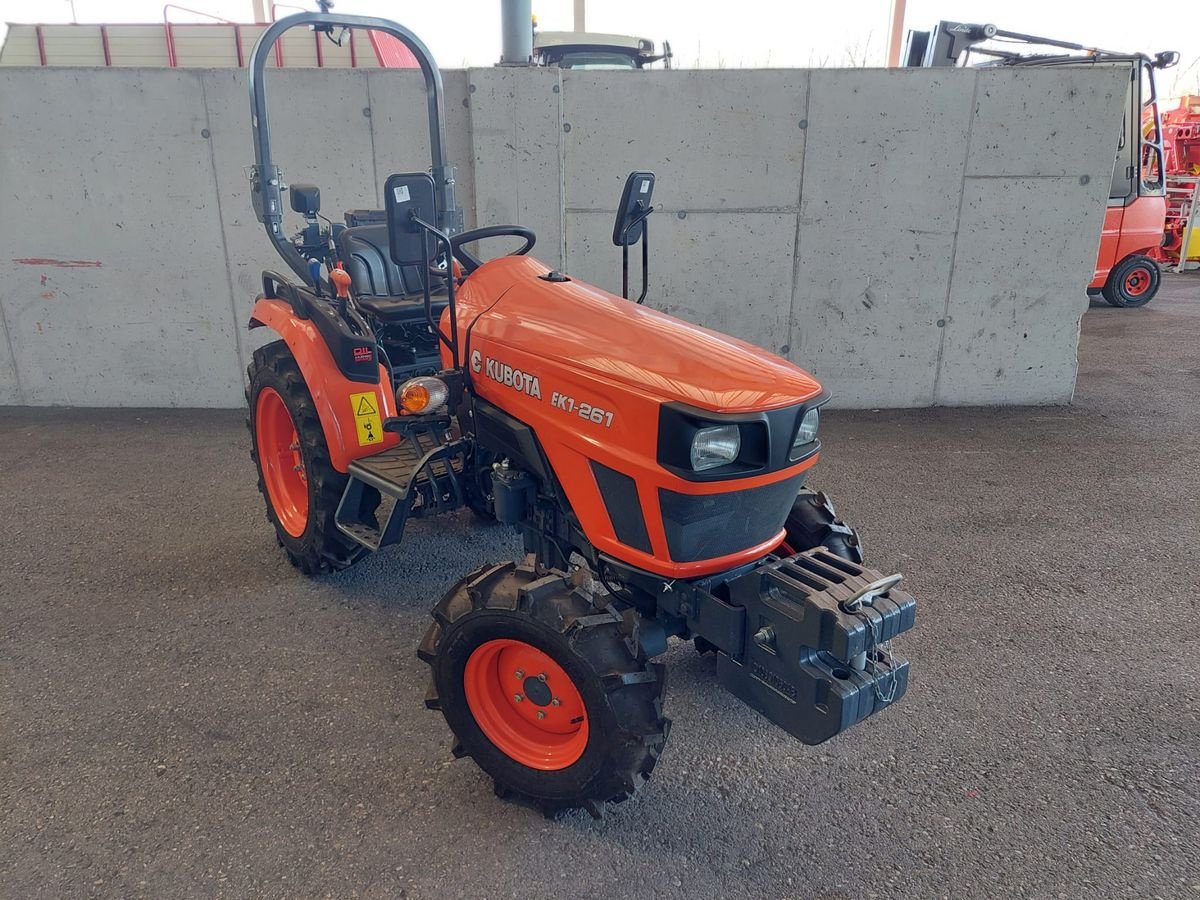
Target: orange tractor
x,y
1126,272
655,470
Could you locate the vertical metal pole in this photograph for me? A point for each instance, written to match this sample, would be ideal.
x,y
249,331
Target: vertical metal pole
x,y
1190,223
580,15
895,33
516,32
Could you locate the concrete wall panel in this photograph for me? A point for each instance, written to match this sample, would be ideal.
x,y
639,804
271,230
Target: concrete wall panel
x,y
877,225
1036,104
516,131
114,284
1021,328
718,140
885,229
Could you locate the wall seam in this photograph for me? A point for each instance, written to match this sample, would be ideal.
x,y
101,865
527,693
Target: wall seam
x,y
962,193
371,132
239,343
562,174
791,329
474,153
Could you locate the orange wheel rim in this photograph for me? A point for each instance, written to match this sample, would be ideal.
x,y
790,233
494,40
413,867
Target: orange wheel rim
x,y
526,704
281,461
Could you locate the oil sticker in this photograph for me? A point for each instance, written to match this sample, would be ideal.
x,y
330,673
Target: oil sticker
x,y
366,418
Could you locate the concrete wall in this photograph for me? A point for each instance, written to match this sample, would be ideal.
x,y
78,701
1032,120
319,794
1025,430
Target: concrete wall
x,y
914,237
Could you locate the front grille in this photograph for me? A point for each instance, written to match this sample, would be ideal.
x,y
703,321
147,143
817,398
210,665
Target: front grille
x,y
704,526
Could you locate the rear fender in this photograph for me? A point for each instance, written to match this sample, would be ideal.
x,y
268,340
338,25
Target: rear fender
x,y
338,400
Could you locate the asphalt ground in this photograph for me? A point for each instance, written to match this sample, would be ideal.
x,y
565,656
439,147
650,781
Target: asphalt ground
x,y
182,714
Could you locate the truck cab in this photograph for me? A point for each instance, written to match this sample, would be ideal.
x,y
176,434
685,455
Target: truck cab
x,y
592,50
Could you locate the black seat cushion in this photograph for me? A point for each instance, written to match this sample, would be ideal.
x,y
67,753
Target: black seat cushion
x,y
380,286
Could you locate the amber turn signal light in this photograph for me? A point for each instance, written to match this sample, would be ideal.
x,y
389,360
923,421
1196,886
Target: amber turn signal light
x,y
418,395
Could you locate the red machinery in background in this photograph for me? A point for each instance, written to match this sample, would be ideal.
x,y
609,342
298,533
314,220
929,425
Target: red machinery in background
x,y
1181,160
1126,274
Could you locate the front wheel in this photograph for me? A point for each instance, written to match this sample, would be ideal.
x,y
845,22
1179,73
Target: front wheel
x,y
1133,282
548,694
813,522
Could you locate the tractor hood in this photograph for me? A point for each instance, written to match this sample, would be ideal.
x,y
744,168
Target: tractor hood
x,y
582,327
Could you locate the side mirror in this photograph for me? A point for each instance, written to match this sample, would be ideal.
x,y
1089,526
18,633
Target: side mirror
x,y
305,199
408,198
1166,59
633,209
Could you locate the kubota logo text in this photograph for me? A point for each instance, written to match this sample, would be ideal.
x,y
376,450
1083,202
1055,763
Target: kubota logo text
x,y
506,375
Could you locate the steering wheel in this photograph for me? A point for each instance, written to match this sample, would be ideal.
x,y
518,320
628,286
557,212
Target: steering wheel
x,y
471,262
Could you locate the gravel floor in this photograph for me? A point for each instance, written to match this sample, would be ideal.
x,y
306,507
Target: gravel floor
x,y
183,714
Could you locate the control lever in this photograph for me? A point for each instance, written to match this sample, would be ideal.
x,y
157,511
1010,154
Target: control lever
x,y
340,279
314,272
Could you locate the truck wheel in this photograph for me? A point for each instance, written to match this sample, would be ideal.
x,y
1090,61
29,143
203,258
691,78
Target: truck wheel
x,y
549,695
295,477
1132,282
813,522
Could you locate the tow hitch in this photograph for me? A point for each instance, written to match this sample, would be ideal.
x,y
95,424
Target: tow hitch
x,y
813,651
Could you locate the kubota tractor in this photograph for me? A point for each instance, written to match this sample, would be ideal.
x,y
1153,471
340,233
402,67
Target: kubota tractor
x,y
655,469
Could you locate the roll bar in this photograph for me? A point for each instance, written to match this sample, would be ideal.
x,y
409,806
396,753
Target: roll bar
x,y
266,182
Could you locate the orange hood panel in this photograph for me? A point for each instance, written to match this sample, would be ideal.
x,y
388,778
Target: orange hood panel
x,y
609,338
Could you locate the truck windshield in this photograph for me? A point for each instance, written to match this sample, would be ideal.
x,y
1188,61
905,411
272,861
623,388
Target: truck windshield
x,y
596,59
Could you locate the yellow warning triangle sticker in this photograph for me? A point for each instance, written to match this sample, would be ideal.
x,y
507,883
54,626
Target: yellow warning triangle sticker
x,y
365,408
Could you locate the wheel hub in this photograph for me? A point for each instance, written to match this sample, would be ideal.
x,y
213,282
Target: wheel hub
x,y
537,691
1136,282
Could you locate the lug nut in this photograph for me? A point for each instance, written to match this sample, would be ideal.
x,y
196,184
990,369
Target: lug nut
x,y
518,697
520,673
556,702
541,714
542,677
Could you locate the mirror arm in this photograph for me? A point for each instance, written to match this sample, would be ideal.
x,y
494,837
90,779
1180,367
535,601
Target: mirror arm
x,y
635,220
443,239
645,262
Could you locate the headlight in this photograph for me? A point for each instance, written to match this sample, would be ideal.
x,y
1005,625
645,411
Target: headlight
x,y
807,432
712,447
418,395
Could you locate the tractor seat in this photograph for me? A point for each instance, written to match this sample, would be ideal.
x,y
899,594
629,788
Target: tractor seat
x,y
380,286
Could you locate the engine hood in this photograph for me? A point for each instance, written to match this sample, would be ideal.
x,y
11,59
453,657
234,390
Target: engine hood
x,y
593,331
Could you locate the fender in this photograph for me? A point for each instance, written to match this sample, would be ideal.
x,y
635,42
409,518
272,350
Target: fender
x,y
331,391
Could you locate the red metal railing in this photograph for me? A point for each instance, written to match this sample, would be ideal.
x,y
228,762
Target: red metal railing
x,y
390,52
172,59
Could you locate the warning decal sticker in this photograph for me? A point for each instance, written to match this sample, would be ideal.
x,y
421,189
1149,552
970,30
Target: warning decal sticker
x,y
366,418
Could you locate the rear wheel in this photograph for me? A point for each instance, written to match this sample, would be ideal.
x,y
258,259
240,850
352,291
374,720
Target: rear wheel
x,y
1132,282
295,476
813,522
548,694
